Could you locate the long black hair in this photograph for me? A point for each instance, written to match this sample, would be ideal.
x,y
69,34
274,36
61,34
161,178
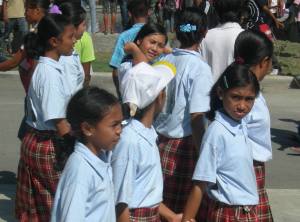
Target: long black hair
x,y
235,75
52,25
191,26
75,12
149,29
251,47
229,10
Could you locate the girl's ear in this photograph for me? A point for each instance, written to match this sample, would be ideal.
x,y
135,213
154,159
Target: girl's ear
x,y
87,129
53,41
220,93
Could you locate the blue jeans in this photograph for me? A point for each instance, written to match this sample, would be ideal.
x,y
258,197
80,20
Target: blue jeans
x,y
124,13
19,28
93,26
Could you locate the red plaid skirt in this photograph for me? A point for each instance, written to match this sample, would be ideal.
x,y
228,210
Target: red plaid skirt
x,y
37,178
178,160
144,215
219,212
263,209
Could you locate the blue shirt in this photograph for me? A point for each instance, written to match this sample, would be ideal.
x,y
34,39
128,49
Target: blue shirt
x,y
73,71
48,95
187,93
124,37
137,172
85,189
226,162
259,130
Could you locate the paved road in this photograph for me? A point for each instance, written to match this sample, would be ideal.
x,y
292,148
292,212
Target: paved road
x,y
283,172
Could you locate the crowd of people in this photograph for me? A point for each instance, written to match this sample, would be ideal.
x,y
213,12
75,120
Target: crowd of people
x,y
185,139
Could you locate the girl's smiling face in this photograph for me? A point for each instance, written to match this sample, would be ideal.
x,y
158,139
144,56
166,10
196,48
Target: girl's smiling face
x,y
238,102
152,45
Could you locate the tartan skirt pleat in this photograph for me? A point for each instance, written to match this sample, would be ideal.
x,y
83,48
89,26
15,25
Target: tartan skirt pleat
x,y
178,160
144,215
219,212
263,208
37,178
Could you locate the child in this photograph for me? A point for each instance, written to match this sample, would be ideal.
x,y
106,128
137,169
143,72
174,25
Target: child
x,y
138,11
46,102
151,41
181,124
218,45
136,164
72,66
225,164
255,49
85,189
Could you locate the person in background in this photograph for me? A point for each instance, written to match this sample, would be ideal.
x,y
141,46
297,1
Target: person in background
x,y
109,7
15,23
93,26
138,11
218,45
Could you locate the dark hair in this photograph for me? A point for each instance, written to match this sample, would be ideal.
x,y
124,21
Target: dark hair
x,y
52,25
74,12
190,17
251,47
149,29
90,105
235,75
43,4
229,10
138,8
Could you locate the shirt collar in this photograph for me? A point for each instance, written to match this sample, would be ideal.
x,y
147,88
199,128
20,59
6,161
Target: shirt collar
x,y
149,134
178,51
94,161
51,62
229,25
233,126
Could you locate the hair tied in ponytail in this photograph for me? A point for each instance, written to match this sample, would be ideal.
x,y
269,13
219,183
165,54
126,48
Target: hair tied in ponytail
x,y
239,60
55,10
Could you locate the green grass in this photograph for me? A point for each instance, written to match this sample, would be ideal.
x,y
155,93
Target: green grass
x,y
288,55
101,62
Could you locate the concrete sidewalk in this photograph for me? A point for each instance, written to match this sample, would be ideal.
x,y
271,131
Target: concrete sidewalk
x,y
285,204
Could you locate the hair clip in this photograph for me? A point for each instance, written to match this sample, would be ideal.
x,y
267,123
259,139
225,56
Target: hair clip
x,y
239,60
188,28
55,10
225,82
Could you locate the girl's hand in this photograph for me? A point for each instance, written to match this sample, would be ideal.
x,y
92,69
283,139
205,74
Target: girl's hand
x,y
176,218
167,50
130,48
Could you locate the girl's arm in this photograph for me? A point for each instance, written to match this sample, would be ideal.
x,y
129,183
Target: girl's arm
x,y
132,49
168,214
278,24
13,62
122,211
198,128
87,73
194,201
62,127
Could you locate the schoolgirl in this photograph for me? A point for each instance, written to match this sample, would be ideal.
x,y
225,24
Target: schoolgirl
x,y
151,40
137,173
72,66
46,103
225,165
255,49
85,190
181,124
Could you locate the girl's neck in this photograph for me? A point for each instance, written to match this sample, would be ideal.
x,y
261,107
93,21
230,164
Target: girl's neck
x,y
148,117
52,54
191,48
92,148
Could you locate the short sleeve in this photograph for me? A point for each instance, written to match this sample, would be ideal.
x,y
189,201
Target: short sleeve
x,y
70,203
206,167
124,67
200,87
85,48
123,170
118,53
53,99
